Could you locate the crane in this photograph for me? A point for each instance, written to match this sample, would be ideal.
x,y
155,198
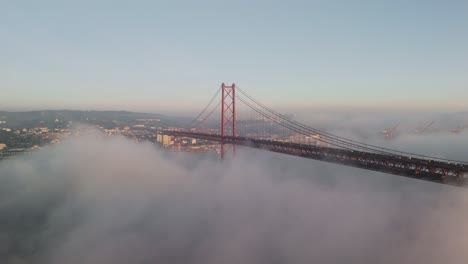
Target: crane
x,y
389,132
458,129
420,131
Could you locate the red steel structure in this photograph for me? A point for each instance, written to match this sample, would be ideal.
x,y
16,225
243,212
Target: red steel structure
x,y
332,148
228,116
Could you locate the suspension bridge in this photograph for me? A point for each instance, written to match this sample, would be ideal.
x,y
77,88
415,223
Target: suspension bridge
x,y
245,121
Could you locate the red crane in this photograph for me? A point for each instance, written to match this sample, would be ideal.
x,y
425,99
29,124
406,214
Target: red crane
x,y
389,131
458,129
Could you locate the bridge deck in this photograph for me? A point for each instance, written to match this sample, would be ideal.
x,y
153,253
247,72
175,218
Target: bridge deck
x,y
423,169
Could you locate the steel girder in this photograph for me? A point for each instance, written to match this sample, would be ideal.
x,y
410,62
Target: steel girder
x,y
423,169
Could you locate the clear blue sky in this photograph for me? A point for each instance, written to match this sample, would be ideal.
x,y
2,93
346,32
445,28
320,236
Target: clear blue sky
x,y
170,56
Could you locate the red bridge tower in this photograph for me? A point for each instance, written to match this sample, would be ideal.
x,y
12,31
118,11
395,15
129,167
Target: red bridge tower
x,y
228,116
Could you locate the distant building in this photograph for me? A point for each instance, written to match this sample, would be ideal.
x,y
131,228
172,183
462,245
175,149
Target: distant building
x,y
167,140
41,130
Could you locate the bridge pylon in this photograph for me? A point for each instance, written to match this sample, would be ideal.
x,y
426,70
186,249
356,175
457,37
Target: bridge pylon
x,y
228,117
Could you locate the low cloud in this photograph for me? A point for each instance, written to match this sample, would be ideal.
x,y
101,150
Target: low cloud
x,y
105,200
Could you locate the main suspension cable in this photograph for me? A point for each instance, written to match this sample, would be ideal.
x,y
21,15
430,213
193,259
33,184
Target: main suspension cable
x,y
204,109
345,141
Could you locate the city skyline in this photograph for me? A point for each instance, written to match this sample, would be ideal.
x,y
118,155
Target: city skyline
x,y
154,56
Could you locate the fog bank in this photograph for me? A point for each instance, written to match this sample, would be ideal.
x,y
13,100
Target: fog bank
x,y
107,200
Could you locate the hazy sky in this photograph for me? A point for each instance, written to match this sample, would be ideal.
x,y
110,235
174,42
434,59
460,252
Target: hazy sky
x,y
169,56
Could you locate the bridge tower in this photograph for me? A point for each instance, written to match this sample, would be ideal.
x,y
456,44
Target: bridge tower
x,y
228,116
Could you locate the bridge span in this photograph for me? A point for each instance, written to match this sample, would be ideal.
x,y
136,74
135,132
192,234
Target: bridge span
x,y
439,171
270,130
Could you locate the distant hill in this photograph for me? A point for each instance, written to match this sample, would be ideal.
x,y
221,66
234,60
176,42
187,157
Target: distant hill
x,y
37,118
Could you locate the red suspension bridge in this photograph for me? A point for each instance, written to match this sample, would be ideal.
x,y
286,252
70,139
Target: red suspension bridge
x,y
247,122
